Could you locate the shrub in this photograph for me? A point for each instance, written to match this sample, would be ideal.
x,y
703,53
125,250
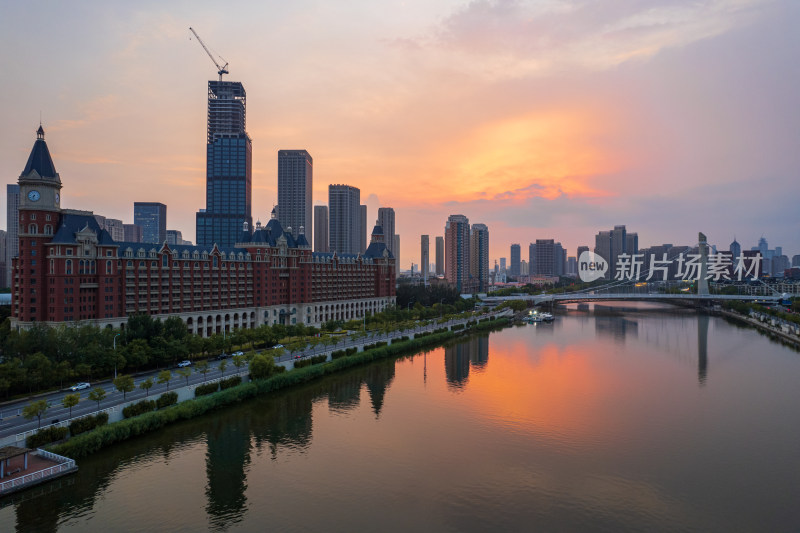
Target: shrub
x,y
46,435
351,351
230,382
339,353
87,423
167,399
208,388
375,345
145,406
457,327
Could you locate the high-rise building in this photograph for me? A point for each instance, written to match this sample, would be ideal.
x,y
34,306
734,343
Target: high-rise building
x,y
503,264
344,223
363,232
479,256
515,259
3,264
611,244
457,252
523,268
581,249
174,236
321,228
228,167
548,257
152,217
12,229
440,256
425,255
736,249
113,226
295,180
133,233
396,241
386,221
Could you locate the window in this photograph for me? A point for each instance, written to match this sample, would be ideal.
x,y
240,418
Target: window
x,y
33,216
48,229
33,229
69,251
68,266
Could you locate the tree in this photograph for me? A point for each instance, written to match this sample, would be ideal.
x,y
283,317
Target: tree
x,y
97,395
146,385
202,367
165,376
70,401
262,366
36,409
222,366
239,361
124,384
184,373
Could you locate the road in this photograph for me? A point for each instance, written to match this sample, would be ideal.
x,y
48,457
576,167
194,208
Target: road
x,y
12,422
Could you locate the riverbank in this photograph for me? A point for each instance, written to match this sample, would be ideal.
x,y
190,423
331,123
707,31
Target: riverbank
x,y
763,326
97,439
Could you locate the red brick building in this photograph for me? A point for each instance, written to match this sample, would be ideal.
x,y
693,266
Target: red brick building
x,y
69,269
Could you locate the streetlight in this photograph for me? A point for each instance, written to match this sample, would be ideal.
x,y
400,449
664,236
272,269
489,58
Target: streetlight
x,y
115,354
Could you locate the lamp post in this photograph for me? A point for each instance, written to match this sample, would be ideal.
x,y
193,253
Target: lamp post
x,y
115,354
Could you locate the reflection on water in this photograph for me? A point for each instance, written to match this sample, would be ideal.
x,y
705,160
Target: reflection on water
x,y
575,426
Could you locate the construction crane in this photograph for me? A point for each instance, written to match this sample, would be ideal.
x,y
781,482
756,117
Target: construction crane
x,y
220,69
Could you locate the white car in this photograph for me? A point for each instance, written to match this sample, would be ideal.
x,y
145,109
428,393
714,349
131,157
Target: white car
x,y
80,386
237,353
184,363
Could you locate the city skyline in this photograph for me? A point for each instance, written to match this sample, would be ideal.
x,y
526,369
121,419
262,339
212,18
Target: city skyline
x,y
671,118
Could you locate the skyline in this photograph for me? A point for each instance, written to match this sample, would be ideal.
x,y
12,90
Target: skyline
x,y
552,120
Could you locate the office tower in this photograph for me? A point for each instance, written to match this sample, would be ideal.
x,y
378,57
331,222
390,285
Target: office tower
x,y
572,267
532,259
523,268
133,233
515,259
479,256
295,177
503,264
796,260
632,243
321,228
425,255
736,249
611,244
440,256
602,247
174,236
152,217
113,226
228,167
12,229
396,255
3,265
457,252
344,223
548,257
386,221
581,249
363,231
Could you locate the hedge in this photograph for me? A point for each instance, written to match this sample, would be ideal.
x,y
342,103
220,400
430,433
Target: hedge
x,y
230,382
145,406
82,425
88,443
45,436
167,399
205,389
300,363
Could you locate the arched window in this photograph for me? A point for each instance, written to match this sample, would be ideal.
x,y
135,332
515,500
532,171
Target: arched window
x,y
68,265
48,229
109,270
33,229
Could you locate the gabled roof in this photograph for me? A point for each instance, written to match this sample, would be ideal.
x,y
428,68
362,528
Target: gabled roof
x,y
376,250
71,224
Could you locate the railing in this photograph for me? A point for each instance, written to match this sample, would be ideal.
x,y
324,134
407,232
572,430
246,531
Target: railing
x,y
65,464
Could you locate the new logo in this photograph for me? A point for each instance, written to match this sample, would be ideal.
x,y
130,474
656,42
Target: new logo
x,y
591,266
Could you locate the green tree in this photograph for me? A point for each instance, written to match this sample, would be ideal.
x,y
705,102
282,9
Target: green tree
x,y
70,401
165,376
202,368
97,395
146,385
124,384
36,409
262,366
223,365
239,361
84,370
184,373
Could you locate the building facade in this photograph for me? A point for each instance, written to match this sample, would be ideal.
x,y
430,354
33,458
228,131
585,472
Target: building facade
x,y
295,181
229,173
344,219
386,221
152,218
12,229
425,255
69,269
457,253
440,256
132,233
479,256
321,228
516,257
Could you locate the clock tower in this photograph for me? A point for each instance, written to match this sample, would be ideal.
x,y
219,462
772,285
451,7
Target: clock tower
x,y
39,215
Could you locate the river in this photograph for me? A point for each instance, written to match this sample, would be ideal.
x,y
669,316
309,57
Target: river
x,y
612,418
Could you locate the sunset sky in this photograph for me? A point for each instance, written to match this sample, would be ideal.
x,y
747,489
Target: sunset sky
x,y
541,119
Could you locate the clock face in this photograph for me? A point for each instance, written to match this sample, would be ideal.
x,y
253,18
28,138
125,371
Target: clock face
x,y
34,196
58,197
